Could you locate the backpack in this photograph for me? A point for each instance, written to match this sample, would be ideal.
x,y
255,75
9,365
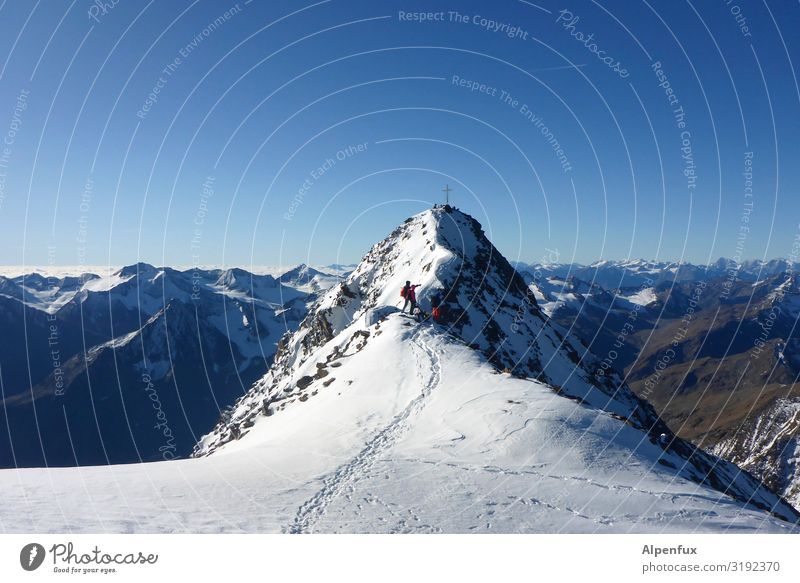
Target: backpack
x,y
403,292
435,313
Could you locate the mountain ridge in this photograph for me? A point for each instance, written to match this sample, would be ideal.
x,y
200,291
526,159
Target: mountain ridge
x,y
485,301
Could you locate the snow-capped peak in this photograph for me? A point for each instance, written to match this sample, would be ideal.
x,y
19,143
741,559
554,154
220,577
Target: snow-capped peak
x,y
347,365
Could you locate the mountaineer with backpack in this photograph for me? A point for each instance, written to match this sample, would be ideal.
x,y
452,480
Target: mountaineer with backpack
x,y
408,292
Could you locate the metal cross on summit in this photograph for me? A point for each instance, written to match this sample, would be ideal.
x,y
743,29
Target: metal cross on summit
x,y
447,190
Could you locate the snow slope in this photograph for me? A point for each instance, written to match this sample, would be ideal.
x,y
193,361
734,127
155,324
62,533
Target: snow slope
x,y
436,442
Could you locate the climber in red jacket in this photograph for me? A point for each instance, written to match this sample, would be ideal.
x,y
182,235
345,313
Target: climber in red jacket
x,y
409,293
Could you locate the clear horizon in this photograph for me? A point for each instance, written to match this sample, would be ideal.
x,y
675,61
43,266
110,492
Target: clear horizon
x,y
265,268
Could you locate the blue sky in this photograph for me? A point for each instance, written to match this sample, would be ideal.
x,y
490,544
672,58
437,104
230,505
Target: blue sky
x,y
299,131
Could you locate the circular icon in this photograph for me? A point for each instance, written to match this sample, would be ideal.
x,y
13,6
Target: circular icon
x,y
31,556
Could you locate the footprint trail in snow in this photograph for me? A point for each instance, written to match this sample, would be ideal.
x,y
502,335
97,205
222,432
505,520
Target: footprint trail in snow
x,y
344,477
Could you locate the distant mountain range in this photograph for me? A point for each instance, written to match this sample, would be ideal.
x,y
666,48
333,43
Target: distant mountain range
x,y
634,272
714,348
136,364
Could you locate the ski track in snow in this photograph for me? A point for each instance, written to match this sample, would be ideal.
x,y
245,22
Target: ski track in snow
x,y
344,477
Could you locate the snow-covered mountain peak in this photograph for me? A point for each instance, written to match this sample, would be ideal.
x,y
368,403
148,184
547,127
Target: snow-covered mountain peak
x,y
437,249
356,370
140,269
308,279
239,280
301,274
484,301
485,305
